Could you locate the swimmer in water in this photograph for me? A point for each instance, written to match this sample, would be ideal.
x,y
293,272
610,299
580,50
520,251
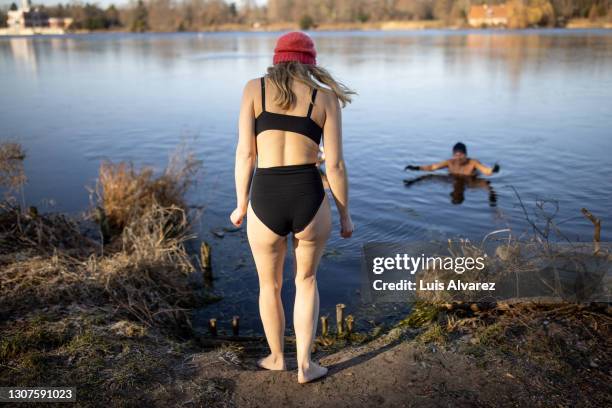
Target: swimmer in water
x,y
459,183
459,164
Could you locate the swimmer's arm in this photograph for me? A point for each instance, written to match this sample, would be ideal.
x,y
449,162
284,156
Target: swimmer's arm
x,y
246,149
486,170
334,161
435,166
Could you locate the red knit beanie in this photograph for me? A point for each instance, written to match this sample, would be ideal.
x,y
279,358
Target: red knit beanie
x,y
295,46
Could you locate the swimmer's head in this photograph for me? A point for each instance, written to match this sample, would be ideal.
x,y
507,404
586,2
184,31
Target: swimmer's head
x,y
459,150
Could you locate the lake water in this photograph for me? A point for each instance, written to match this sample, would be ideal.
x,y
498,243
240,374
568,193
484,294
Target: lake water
x,y
537,102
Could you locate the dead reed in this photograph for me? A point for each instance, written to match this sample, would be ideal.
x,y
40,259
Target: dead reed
x,y
125,193
147,281
46,233
48,262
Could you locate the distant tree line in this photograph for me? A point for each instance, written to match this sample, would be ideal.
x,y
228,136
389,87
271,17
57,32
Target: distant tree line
x,y
522,12
195,15
86,16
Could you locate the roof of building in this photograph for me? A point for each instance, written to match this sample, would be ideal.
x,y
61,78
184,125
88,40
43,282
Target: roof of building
x,y
486,11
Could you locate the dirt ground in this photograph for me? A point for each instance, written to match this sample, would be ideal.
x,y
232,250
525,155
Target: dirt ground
x,y
548,363
399,376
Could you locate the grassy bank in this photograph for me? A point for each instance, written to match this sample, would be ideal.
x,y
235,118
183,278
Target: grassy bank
x,y
105,309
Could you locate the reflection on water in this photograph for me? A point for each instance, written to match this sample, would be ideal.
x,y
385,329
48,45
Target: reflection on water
x,y
459,184
538,102
23,52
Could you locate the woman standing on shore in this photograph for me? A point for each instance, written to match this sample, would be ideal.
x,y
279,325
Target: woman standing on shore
x,y
283,116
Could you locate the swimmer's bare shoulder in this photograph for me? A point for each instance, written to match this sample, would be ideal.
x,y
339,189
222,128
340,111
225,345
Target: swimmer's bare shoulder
x,y
477,165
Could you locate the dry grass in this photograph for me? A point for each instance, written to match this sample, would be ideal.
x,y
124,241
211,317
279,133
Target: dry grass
x,y
147,281
45,234
106,319
559,271
47,261
549,343
105,360
125,193
566,344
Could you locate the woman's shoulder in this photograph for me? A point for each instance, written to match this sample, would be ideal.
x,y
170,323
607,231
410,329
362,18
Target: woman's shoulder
x,y
251,88
328,96
252,83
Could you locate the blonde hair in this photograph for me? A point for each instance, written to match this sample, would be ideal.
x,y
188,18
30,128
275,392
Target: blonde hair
x,y
282,74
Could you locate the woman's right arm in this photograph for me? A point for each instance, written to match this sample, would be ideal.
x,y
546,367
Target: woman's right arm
x,y
246,154
334,165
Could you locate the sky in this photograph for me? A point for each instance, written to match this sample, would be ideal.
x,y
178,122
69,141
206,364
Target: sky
x,y
101,3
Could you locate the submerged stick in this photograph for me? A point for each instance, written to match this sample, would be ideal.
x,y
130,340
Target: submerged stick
x,y
324,327
597,226
349,324
212,326
340,318
205,259
235,323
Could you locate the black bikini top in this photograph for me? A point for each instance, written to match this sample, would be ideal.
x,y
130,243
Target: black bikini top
x,y
303,125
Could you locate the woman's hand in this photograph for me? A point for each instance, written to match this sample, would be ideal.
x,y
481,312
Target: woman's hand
x,y
237,216
346,226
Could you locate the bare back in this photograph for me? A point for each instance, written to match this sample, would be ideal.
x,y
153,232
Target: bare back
x,y
284,148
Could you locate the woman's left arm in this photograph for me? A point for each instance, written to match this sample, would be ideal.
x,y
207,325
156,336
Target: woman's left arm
x,y
246,153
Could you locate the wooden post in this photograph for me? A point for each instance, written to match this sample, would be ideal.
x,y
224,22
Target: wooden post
x,y
235,327
340,318
324,327
349,324
212,326
597,233
205,259
33,212
102,219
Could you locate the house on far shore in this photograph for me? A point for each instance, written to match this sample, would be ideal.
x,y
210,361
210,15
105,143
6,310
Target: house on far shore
x,y
28,21
488,16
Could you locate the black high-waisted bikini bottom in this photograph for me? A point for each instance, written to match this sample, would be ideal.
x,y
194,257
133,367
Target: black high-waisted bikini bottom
x,y
286,198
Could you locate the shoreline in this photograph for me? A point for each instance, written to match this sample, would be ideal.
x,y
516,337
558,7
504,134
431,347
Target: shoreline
x,y
417,25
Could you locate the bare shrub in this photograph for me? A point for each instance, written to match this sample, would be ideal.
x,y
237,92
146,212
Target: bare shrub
x,y
125,193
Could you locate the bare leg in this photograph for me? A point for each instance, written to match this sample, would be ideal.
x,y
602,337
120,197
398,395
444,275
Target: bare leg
x,y
308,248
269,250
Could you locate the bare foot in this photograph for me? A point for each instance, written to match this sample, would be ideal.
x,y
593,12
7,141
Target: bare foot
x,y
311,372
272,362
